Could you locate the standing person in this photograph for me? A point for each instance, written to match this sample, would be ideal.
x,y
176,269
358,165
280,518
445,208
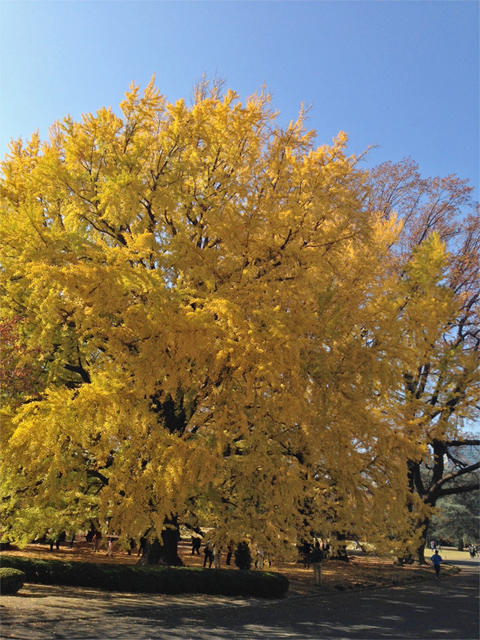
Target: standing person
x,y
196,544
436,559
97,539
110,547
56,539
306,550
260,559
208,555
141,546
317,557
217,554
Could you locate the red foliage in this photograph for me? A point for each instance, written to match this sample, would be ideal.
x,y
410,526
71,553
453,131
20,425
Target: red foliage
x,y
19,365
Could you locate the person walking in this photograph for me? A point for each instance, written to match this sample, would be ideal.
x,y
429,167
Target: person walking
x,y
437,560
317,557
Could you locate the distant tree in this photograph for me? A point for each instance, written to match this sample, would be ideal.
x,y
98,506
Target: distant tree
x,y
437,258
457,518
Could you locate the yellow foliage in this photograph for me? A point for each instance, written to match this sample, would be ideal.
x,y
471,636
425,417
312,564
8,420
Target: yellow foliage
x,y
219,317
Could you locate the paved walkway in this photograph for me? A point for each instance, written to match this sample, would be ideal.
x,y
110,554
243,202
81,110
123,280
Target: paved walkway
x,y
447,609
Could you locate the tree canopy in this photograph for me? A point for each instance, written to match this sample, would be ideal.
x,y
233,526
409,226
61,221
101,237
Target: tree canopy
x,y
227,328
441,296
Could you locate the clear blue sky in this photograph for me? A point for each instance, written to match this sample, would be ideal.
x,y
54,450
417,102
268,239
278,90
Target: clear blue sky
x,y
398,74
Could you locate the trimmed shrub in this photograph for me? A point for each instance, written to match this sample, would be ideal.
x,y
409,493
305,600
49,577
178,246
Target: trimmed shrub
x,y
12,580
138,579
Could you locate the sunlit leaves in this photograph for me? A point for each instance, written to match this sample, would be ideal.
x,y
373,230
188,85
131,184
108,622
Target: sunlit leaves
x,y
224,327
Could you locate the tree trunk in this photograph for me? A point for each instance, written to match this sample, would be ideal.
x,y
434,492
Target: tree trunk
x,y
421,553
423,541
163,551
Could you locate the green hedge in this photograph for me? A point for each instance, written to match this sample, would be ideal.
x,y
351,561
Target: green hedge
x,y
12,580
135,579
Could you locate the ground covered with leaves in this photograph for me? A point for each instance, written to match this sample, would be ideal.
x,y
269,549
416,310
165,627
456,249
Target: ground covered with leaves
x,y
359,573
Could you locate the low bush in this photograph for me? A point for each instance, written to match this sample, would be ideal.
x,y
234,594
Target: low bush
x,y
135,579
11,580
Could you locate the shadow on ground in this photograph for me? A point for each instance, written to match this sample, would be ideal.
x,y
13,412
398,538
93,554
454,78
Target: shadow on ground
x,y
447,608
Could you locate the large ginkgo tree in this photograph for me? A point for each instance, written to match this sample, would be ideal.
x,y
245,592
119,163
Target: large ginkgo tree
x,y
213,306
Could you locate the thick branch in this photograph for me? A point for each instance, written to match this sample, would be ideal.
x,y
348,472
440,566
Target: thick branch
x,y
91,473
453,491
